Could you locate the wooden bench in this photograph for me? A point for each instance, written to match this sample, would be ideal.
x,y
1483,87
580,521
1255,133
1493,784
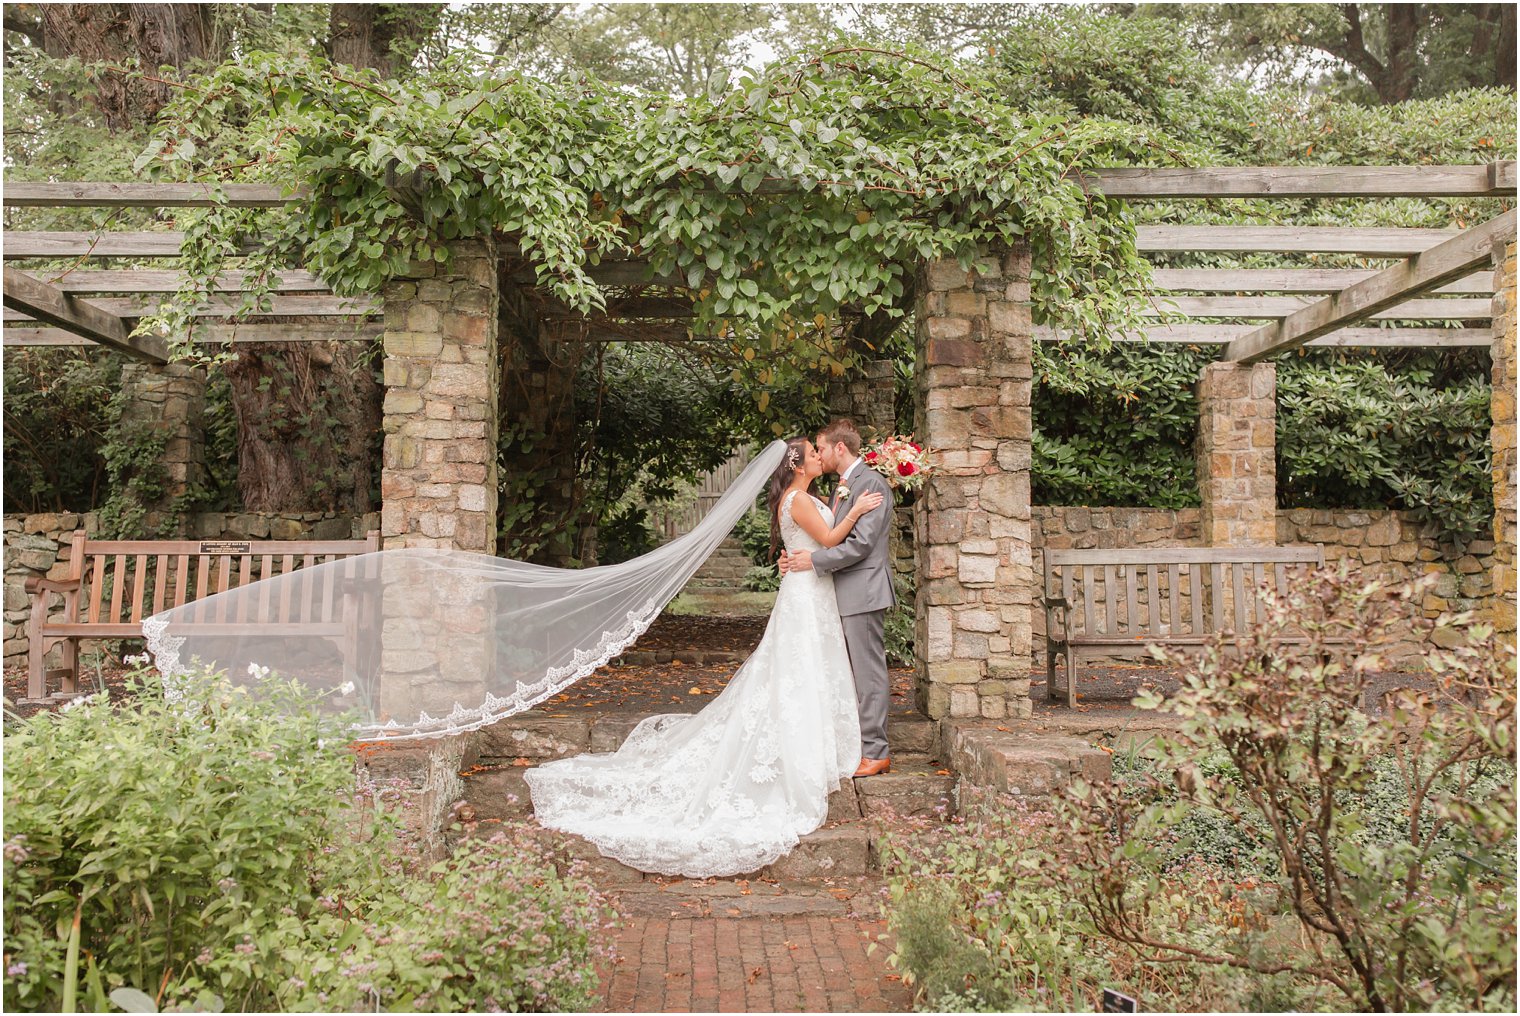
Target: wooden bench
x,y
113,584
1117,602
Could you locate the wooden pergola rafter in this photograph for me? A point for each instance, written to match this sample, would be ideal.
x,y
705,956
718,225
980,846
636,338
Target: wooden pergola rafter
x,y
1252,313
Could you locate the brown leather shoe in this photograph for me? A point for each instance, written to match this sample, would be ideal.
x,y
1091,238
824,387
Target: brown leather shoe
x,y
873,766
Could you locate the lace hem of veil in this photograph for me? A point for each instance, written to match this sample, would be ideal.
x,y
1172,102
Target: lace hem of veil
x,y
166,649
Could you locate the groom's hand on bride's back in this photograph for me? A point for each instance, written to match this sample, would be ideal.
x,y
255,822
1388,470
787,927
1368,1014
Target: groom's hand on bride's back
x,y
794,560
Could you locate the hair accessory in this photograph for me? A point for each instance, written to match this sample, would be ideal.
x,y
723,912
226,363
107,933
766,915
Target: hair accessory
x,y
792,458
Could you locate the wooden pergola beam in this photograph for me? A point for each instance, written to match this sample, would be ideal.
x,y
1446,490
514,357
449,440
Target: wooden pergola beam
x,y
126,281
1487,180
1440,264
1369,242
222,306
44,303
1192,334
211,334
1293,280
1262,307
1387,242
85,194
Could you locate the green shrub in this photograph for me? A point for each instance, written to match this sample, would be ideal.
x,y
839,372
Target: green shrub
x,y
762,578
223,847
1391,839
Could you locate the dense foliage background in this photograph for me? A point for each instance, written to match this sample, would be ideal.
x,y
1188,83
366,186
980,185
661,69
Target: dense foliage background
x,y
1237,83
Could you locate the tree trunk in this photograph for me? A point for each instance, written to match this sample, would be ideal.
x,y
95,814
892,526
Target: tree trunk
x,y
383,37
308,417
113,34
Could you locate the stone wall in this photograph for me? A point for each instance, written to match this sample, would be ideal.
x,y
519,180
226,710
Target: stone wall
x,y
170,400
868,398
1502,438
41,545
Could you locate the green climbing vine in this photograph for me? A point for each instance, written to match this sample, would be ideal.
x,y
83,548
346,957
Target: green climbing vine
x,y
777,200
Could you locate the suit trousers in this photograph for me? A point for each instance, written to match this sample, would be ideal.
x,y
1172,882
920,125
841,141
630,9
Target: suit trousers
x,y
863,639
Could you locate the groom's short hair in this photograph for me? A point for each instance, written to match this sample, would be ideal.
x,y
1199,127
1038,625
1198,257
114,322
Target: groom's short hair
x,y
842,431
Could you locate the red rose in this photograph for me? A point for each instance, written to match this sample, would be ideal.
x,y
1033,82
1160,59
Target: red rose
x,y
915,447
870,456
906,469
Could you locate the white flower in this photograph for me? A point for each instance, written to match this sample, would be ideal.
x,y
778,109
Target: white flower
x,y
136,659
321,744
71,703
346,688
256,671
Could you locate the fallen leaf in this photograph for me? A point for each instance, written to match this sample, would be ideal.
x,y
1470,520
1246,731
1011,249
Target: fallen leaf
x,y
894,977
522,762
694,690
754,974
1003,729
941,772
790,945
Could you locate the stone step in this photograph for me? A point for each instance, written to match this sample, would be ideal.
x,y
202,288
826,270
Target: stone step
x,y
499,792
537,737
995,760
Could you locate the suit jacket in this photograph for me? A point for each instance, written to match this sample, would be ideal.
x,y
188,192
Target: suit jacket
x,y
861,564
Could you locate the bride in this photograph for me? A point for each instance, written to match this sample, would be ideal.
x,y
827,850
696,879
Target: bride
x,y
732,788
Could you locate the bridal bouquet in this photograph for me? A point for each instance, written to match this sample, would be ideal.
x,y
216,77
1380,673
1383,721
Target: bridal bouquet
x,y
902,461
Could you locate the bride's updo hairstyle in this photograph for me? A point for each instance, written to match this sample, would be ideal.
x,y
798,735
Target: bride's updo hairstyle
x,y
796,452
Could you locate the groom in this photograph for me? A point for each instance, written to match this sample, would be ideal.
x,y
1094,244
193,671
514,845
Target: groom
x,y
862,584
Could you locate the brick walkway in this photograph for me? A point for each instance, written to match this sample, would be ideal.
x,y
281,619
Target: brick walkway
x,y
751,964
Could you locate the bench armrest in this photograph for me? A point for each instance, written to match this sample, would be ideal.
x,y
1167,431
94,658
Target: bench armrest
x,y
40,583
1055,615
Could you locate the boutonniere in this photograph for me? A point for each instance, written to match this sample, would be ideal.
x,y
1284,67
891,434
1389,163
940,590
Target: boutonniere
x,y
842,494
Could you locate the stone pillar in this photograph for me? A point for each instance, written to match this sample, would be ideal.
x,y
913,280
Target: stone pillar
x,y
1502,439
972,521
438,482
868,397
1236,451
168,400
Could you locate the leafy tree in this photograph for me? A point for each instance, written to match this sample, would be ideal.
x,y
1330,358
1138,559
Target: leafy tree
x,y
1386,52
662,47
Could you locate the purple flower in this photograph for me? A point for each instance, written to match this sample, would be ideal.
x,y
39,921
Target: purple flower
x,y
16,970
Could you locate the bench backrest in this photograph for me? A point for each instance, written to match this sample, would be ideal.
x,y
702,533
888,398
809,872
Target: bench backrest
x,y
124,581
1169,592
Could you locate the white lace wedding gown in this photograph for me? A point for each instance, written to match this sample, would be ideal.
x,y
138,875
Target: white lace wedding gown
x,y
732,788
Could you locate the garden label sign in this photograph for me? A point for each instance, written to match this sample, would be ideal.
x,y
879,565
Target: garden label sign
x,y
1115,1002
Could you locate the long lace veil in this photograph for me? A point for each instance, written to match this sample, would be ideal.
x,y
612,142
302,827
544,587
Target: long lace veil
x,y
425,643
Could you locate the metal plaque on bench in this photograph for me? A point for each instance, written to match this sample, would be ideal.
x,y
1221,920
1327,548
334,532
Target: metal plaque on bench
x,y
225,546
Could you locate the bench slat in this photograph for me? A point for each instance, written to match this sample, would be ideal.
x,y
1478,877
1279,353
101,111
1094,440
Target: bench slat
x,y
160,581
108,631
1187,555
1088,595
118,586
287,568
1196,571
1174,597
139,585
1242,608
182,582
202,577
1132,602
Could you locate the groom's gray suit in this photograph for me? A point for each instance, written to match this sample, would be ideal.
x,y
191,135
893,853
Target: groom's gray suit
x,y
862,571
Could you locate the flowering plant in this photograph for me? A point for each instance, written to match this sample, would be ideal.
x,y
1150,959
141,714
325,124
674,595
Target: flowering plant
x,y
901,460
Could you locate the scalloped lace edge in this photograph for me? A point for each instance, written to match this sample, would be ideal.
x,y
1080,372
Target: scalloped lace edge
x,y
166,658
